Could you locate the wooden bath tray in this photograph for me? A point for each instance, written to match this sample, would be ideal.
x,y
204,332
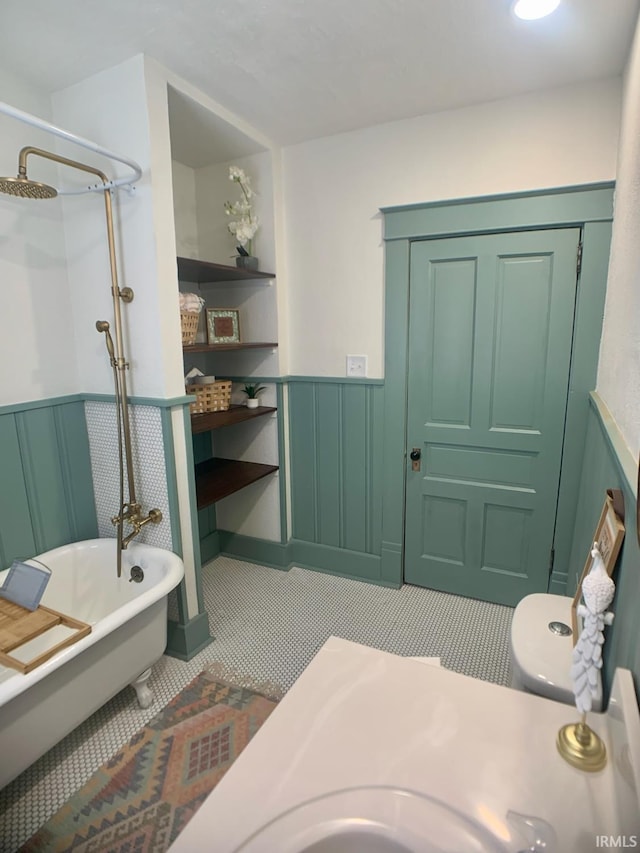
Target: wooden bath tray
x,y
19,625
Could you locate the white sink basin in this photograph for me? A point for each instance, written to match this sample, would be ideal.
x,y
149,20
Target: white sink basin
x,y
375,819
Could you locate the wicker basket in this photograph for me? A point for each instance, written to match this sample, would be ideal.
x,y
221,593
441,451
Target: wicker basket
x,y
214,397
189,323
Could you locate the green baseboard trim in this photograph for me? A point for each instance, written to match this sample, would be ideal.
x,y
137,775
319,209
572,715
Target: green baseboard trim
x,y
259,551
210,547
355,565
336,561
186,640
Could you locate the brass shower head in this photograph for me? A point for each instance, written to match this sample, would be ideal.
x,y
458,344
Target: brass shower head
x,y
24,188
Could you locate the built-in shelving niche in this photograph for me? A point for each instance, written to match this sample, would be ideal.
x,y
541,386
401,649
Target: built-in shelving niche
x,y
203,146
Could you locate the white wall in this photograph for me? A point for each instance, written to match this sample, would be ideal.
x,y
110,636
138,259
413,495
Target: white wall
x,y
36,328
334,187
183,182
619,369
110,108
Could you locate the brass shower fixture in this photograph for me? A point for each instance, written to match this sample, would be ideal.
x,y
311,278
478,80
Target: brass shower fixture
x,y
130,511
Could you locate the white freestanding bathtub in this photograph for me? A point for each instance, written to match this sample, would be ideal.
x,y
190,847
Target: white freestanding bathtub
x,y
128,635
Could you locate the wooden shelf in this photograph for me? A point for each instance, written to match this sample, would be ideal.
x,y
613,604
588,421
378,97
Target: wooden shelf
x,y
206,272
218,478
234,415
228,347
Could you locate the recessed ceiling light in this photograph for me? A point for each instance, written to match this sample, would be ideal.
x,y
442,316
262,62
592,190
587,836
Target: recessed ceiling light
x,y
531,10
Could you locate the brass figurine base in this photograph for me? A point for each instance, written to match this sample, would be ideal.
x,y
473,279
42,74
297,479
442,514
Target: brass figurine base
x,y
581,747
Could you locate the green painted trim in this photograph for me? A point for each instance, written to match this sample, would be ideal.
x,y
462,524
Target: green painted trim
x,y
335,380
282,463
546,192
210,547
338,561
285,380
589,207
252,550
509,212
272,380
41,404
391,570
306,555
172,481
195,533
395,409
157,402
93,398
184,641
620,451
587,332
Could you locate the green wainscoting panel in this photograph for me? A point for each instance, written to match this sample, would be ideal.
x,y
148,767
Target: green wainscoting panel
x,y
73,446
47,495
335,432
303,461
605,469
17,538
335,446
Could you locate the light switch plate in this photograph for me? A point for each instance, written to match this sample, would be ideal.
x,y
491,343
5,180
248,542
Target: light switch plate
x,y
356,365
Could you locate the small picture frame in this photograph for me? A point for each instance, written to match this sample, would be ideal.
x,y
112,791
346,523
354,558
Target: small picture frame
x,y
608,536
223,326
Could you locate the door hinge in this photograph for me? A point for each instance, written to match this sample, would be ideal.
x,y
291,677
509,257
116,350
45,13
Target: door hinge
x,y
579,259
552,557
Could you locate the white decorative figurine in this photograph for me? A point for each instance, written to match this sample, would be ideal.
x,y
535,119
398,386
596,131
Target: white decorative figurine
x,y
597,590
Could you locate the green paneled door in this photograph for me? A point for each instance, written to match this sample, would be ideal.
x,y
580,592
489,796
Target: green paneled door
x,y
490,332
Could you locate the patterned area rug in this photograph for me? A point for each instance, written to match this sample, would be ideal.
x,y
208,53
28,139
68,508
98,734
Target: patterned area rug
x,y
140,800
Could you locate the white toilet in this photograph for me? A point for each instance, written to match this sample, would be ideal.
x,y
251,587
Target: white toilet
x,y
541,647
542,637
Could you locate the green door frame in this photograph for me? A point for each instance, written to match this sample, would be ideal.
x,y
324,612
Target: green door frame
x,y
589,207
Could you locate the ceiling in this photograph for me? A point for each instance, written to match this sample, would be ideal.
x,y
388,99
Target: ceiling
x,y
301,69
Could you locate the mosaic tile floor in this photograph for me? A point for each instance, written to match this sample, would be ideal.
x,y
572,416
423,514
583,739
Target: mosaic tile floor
x,y
267,626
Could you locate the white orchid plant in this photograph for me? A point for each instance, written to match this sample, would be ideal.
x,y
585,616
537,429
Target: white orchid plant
x,y
245,222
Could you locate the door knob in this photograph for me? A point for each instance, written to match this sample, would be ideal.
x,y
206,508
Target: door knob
x,y
415,454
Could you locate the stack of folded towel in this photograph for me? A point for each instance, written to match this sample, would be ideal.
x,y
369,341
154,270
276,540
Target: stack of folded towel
x,y
191,302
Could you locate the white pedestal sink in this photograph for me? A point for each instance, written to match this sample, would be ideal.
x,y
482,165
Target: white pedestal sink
x,y
433,761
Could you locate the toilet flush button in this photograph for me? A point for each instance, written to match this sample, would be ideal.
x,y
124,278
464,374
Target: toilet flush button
x,y
560,628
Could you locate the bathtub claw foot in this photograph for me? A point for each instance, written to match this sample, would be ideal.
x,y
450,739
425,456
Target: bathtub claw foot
x,y
143,691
